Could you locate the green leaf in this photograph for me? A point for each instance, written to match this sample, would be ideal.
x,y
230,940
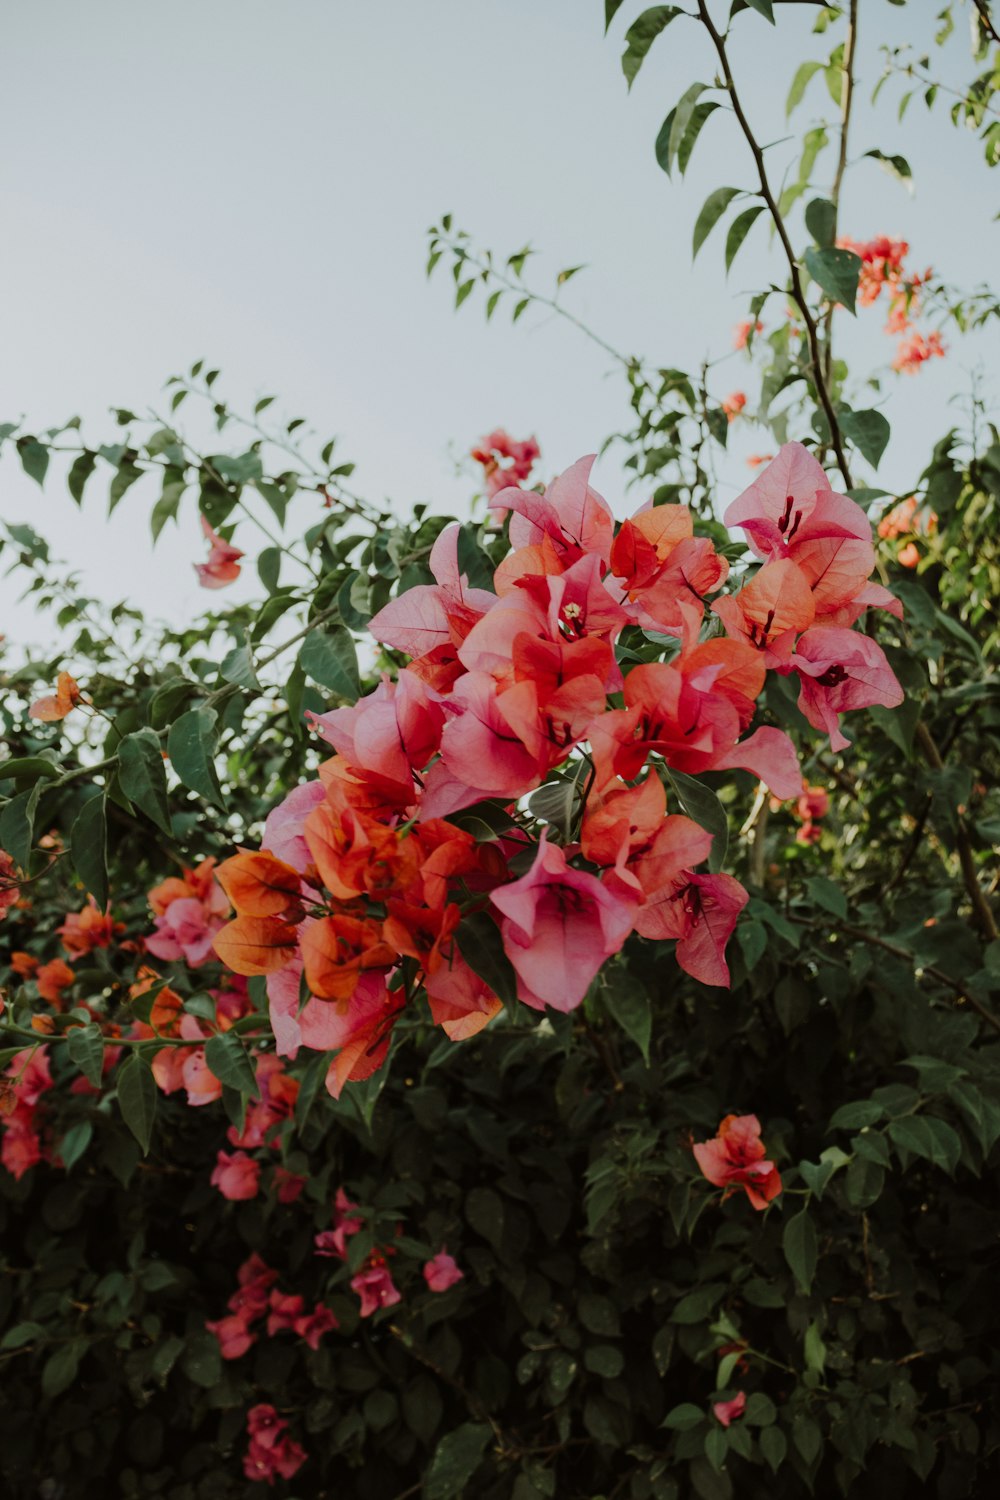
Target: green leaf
x,y
857,1115
682,1418
34,458
738,231
611,9
269,568
59,1370
80,471
599,1315
867,430
28,768
763,8
628,1002
929,1137
684,151
89,848
125,478
137,1098
456,1458
479,942
801,1249
712,210
190,745
17,824
682,115
642,34
827,893
821,221
237,667
85,1045
143,776
21,1334
896,166
472,560
228,1059
74,1143
800,83
774,1447
836,273
701,804
329,657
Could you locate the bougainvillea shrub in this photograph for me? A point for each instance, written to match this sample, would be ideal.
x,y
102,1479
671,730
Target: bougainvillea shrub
x,y
513,1011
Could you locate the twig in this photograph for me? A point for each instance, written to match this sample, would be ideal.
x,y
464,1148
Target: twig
x,y
797,292
984,16
980,906
846,99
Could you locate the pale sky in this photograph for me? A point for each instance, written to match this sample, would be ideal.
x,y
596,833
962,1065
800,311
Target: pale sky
x,y
251,182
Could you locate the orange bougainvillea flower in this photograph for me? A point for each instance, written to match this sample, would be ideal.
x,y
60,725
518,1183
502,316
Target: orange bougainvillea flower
x,y
259,885
24,964
52,978
67,696
85,930
256,945
336,950
167,1005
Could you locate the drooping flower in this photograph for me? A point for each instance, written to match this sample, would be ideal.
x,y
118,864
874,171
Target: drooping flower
x,y
505,460
841,670
67,695
726,1412
737,1158
559,925
223,565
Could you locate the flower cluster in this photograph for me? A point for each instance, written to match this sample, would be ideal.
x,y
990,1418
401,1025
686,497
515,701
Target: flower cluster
x,y
882,268
271,1454
359,893
188,909
907,520
257,1297
27,1079
10,890
505,460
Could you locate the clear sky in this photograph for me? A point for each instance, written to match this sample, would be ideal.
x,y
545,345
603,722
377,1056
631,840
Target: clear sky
x,y
251,181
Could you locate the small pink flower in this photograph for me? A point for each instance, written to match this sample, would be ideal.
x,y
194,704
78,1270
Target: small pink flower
x,y
333,1242
736,1158
236,1175
727,1411
442,1272
223,564
375,1288
283,1311
288,1186
233,1334
312,1326
270,1453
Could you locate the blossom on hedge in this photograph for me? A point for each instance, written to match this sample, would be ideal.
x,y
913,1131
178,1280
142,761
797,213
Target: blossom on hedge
x,y
188,911
223,565
52,978
50,709
736,1158
25,965
234,1335
374,1285
915,351
442,1272
288,1186
270,1454
505,460
333,1242
236,1175
28,1077
726,1412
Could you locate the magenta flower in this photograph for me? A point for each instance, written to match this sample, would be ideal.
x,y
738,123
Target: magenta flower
x,y
375,1288
441,1272
840,670
236,1175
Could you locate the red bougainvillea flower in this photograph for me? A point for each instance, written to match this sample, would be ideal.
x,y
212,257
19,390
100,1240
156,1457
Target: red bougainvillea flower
x,y
67,695
915,351
505,460
271,1454
236,1175
559,926
442,1271
728,1411
881,263
312,1326
9,889
223,564
840,670
737,1158
376,1289
234,1335
733,405
742,332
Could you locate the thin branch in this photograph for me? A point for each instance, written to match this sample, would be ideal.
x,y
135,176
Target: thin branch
x,y
846,100
984,16
798,293
985,919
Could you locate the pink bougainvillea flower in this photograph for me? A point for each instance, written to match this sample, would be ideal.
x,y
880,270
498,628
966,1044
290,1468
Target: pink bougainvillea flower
x,y
775,606
67,695
236,1175
223,564
282,1311
361,1030
505,461
559,925
85,930
441,1272
429,622
9,888
841,670
376,1289
460,1002
737,1158
271,1454
391,732
728,1411
234,1335
255,1280
284,828
333,1242
288,1186
550,532
312,1326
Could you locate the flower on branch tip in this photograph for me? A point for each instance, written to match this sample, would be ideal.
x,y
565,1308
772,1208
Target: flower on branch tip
x,y
736,1158
67,695
728,1411
223,564
442,1272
